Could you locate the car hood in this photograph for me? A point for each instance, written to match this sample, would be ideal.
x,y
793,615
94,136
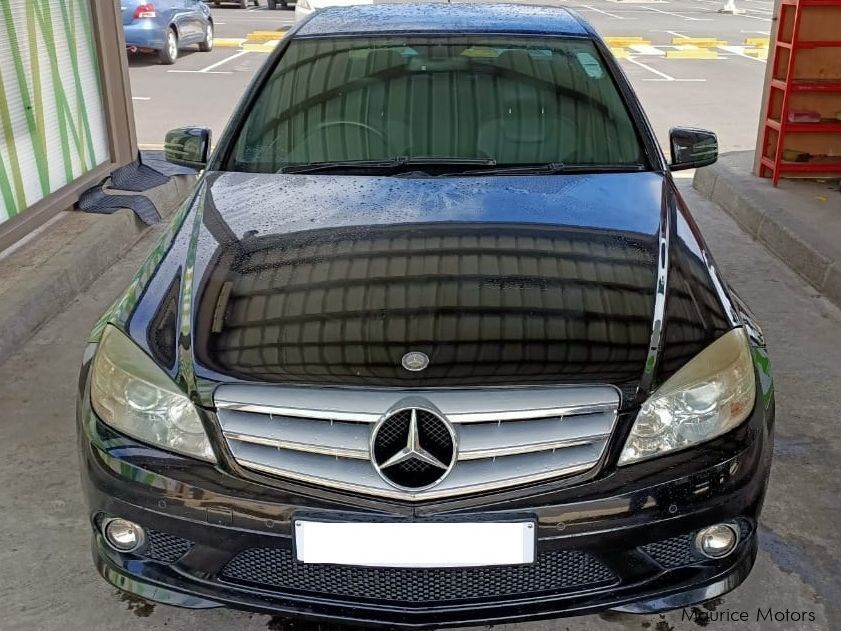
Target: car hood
x,y
315,279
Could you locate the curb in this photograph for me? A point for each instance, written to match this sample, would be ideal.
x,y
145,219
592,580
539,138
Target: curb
x,y
40,277
793,221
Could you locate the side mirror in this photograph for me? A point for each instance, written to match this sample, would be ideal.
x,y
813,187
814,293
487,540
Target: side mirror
x,y
692,148
188,146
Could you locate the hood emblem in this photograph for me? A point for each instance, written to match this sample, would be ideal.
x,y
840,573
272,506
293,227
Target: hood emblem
x,y
413,449
415,361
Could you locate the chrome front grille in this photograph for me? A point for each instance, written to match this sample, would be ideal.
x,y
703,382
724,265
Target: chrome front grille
x,y
505,436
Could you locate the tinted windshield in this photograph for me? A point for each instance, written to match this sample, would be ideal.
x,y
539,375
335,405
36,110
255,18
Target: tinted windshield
x,y
512,100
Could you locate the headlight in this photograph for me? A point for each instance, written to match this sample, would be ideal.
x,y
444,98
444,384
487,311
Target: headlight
x,y
133,395
709,396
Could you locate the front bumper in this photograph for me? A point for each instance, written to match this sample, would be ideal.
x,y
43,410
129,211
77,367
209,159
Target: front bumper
x,y
621,541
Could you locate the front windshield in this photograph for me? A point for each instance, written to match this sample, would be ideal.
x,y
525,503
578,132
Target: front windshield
x,y
502,100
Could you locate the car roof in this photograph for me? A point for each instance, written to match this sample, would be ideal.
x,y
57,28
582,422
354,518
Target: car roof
x,y
439,18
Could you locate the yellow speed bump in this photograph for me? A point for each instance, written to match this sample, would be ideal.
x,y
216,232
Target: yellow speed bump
x,y
759,42
622,42
265,36
691,52
619,52
758,53
703,42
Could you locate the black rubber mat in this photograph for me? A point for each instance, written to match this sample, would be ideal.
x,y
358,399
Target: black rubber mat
x,y
149,171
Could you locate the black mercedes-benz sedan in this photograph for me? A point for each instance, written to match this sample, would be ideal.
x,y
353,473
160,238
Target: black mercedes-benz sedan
x,y
434,342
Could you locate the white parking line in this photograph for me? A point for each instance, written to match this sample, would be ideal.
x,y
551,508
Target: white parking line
x,y
678,15
224,61
650,69
211,69
663,76
755,17
141,98
645,49
613,15
676,34
739,51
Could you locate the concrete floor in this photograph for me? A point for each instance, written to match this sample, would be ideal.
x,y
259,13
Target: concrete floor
x,y
48,581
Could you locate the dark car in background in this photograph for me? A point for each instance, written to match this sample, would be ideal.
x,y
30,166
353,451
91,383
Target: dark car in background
x,y
435,342
167,26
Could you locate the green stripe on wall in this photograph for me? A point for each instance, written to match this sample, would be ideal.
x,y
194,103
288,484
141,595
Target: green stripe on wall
x,y
52,120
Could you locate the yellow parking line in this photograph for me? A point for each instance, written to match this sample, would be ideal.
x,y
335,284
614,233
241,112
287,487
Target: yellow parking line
x,y
265,36
622,41
760,42
619,52
758,53
228,42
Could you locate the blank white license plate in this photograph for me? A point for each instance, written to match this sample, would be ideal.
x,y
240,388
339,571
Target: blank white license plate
x,y
415,544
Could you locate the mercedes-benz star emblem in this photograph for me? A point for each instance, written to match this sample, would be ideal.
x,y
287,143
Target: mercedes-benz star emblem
x,y
415,361
413,449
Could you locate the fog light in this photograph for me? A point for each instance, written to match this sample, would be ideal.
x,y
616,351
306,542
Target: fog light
x,y
717,541
122,535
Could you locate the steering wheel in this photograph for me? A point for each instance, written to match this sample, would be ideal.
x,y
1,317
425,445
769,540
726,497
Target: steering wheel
x,y
319,129
367,128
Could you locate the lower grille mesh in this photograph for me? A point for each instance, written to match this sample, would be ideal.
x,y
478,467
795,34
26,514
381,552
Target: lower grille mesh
x,y
674,552
165,547
276,568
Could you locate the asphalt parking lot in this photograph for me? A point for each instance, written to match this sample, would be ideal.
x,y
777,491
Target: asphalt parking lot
x,y
716,84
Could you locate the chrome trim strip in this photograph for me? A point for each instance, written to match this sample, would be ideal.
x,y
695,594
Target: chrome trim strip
x,y
516,450
221,391
423,495
526,415
367,405
338,452
321,415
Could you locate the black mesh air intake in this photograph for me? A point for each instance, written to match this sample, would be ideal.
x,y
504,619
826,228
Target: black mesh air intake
x,y
164,547
556,571
674,552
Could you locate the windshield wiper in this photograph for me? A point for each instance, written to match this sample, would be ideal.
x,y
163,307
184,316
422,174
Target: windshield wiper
x,y
393,165
552,168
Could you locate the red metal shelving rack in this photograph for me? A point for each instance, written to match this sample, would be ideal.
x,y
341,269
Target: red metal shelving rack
x,y
784,59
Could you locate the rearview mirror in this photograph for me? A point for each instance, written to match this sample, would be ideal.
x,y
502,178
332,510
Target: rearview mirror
x,y
188,146
692,148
